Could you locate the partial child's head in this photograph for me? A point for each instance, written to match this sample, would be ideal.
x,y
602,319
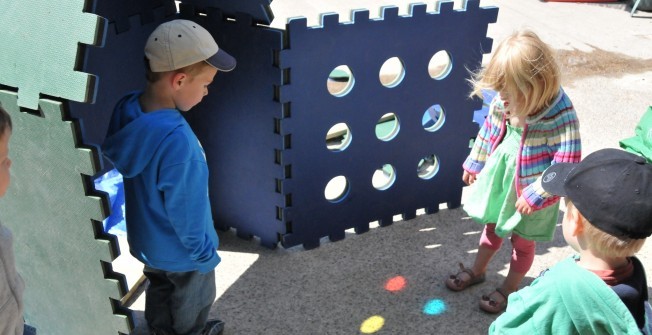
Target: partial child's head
x,y
610,193
5,162
523,69
185,55
602,243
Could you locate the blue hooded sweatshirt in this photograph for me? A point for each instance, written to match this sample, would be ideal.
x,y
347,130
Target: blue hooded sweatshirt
x,y
168,213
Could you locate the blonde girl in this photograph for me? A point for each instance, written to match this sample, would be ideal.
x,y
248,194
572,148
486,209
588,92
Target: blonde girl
x,y
531,125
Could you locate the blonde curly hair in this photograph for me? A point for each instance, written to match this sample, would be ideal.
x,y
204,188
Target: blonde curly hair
x,y
524,66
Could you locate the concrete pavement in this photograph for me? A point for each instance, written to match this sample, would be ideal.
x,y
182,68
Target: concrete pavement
x,y
390,279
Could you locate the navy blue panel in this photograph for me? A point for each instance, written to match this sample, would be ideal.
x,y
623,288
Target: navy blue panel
x,y
120,69
119,11
364,46
259,10
235,124
263,126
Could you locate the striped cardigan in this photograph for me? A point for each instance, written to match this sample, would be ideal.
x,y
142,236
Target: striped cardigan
x,y
549,137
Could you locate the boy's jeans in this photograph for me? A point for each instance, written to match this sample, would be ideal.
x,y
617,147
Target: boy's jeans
x,y
178,302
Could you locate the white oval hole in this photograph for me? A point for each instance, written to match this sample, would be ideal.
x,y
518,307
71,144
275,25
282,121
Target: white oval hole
x,y
336,189
428,167
384,177
340,81
433,118
440,65
387,127
391,72
338,137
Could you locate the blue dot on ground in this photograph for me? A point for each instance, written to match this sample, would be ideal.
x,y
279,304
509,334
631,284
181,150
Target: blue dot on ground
x,y
434,307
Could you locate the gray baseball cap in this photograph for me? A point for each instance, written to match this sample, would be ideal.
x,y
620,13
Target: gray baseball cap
x,y
179,43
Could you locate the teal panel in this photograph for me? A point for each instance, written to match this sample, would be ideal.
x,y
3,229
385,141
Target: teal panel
x,y
61,251
41,49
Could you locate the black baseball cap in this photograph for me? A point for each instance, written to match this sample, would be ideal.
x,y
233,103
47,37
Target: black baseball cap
x,y
612,189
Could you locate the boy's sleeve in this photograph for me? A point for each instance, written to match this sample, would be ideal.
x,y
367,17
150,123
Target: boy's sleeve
x,y
481,146
567,148
641,143
534,309
185,188
517,318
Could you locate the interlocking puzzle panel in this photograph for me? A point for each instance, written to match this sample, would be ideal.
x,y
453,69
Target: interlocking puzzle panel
x,y
119,64
56,219
259,10
42,44
235,124
391,138
122,12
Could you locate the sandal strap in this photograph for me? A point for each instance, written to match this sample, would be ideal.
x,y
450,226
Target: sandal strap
x,y
467,270
499,291
502,292
491,305
457,282
494,302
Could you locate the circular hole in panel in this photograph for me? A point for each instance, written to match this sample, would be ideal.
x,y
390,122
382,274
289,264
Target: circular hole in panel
x,y
433,118
392,72
384,177
336,189
428,167
340,81
387,127
440,65
338,137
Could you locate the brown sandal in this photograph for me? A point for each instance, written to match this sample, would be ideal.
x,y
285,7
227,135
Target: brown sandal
x,y
493,306
455,282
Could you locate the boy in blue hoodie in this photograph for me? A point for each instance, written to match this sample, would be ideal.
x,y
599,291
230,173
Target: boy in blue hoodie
x,y
168,215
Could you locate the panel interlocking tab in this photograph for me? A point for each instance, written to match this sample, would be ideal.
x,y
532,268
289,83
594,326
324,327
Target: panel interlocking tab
x,y
43,49
259,10
119,12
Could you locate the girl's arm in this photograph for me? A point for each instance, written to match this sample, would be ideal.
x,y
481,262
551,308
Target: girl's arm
x,y
468,178
482,144
566,147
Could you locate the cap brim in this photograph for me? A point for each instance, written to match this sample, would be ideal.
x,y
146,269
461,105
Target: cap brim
x,y
222,61
554,178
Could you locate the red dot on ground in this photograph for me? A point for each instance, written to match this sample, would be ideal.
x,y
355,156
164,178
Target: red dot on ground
x,y
395,284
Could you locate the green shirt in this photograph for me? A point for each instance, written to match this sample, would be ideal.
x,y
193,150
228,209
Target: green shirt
x,y
567,299
641,144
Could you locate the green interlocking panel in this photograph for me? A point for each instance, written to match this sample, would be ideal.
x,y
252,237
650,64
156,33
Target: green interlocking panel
x,y
61,251
41,43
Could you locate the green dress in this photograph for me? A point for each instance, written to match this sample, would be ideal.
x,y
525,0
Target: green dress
x,y
492,197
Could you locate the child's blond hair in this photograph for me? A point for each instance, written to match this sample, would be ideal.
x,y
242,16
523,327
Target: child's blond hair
x,y
605,244
524,66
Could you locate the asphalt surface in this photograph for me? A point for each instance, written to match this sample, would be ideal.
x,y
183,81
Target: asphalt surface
x,y
390,279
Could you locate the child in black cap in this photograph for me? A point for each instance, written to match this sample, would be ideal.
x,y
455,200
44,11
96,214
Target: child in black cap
x,y
602,289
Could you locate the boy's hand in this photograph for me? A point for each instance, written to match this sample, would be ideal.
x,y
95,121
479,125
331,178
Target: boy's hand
x,y
468,178
522,206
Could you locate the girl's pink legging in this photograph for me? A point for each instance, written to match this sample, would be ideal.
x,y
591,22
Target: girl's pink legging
x,y
522,249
